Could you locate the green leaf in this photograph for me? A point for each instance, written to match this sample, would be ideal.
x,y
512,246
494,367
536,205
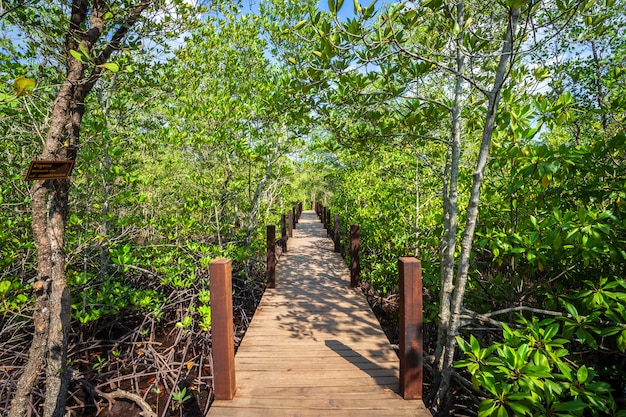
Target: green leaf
x,y
433,4
487,407
507,333
540,359
6,98
610,331
77,55
369,10
456,30
300,24
572,310
522,354
520,408
541,73
621,342
292,61
23,86
502,412
551,331
475,345
84,50
111,66
582,374
5,286
468,22
534,222
516,4
332,6
575,405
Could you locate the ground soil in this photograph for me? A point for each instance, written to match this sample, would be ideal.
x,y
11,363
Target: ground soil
x,y
135,354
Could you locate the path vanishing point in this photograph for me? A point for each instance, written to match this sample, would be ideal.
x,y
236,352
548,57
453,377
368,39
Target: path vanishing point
x,y
314,347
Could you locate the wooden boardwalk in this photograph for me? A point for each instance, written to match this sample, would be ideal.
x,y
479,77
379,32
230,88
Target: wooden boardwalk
x,y
314,347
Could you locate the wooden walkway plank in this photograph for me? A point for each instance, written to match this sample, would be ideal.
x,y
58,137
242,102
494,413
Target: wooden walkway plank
x,y
314,348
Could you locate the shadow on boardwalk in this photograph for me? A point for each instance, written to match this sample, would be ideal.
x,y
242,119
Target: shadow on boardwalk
x,y
314,347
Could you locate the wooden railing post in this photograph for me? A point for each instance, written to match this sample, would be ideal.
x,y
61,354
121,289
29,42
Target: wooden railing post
x,y
411,328
270,272
221,287
336,236
355,262
295,216
327,223
322,212
290,227
283,231
329,219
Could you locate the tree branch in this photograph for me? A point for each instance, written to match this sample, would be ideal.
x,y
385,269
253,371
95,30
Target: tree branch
x,y
125,395
12,9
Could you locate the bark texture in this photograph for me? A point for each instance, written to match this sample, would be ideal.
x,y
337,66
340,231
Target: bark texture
x,y
50,207
450,202
455,291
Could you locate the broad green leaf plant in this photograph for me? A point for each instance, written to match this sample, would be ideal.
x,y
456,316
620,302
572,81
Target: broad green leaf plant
x,y
529,374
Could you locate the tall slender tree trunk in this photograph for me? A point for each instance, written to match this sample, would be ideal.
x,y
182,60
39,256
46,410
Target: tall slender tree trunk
x,y
450,206
446,361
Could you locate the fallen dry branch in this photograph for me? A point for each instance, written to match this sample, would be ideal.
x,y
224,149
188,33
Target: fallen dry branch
x,y
146,411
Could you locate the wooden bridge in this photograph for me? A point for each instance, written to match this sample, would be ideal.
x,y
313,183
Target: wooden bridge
x,y
314,347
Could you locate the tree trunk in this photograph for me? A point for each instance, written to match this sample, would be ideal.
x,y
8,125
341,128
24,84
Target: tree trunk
x,y
449,342
50,209
49,205
450,206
